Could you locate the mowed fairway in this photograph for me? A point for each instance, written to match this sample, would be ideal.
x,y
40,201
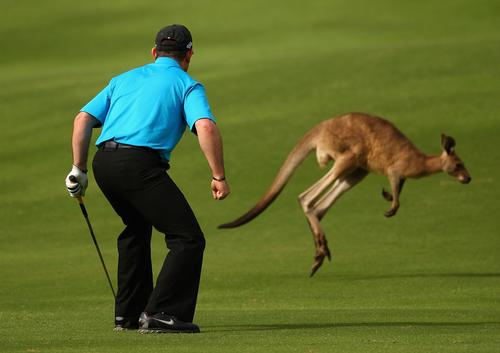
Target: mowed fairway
x,y
427,280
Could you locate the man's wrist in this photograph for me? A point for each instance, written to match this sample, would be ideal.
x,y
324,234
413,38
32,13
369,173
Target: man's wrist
x,y
219,178
83,170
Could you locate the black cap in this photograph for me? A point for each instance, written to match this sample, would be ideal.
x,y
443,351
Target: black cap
x,y
174,38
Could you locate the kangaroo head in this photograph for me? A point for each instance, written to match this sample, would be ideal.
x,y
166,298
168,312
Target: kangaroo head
x,y
452,164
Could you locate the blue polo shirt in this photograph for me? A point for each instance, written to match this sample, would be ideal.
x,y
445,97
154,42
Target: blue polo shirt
x,y
150,106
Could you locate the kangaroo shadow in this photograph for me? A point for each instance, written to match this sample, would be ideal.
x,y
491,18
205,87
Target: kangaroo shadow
x,y
340,325
426,275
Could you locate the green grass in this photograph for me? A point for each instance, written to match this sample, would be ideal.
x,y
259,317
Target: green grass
x,y
427,280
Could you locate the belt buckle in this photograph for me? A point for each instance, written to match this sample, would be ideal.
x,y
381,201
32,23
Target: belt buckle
x,y
109,146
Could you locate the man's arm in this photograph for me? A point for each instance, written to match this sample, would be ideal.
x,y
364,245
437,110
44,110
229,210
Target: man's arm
x,y
82,132
211,144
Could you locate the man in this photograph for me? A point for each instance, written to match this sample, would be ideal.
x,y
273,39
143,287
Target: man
x,y
143,114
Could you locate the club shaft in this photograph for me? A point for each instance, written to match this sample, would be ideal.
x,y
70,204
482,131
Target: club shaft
x,y
86,216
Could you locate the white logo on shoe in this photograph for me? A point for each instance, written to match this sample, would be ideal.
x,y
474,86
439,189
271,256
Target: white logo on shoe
x,y
169,322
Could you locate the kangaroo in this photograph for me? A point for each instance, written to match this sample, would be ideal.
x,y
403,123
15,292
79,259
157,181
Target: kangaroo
x,y
359,144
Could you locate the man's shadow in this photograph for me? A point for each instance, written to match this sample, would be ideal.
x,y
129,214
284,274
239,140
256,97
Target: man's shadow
x,y
339,325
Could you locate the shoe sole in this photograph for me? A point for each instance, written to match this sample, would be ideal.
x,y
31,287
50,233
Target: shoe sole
x,y
120,329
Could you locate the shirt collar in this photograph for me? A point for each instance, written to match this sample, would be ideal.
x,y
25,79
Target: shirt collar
x,y
165,60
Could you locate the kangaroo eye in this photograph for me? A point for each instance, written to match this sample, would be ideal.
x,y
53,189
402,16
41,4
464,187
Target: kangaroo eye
x,y
459,166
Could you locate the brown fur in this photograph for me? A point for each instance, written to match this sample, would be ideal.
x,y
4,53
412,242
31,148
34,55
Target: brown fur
x,y
359,144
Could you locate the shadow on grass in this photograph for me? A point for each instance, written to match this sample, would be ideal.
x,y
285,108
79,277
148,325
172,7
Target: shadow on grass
x,y
312,326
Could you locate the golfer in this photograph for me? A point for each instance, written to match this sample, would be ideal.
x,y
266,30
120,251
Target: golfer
x,y
143,114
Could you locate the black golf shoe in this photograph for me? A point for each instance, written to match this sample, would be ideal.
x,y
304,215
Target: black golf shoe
x,y
163,323
126,323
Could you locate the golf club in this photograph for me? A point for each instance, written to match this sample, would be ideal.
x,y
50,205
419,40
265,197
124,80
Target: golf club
x,y
72,178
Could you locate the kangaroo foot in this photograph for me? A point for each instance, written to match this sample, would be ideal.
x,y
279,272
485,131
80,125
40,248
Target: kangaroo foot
x,y
386,195
318,261
322,247
321,253
326,251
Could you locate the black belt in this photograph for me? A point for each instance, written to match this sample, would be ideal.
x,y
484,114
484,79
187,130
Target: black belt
x,y
113,146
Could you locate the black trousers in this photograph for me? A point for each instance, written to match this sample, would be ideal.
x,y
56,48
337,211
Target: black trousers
x,y
138,188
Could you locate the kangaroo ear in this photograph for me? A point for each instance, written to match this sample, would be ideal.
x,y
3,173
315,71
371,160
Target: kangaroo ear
x,y
447,143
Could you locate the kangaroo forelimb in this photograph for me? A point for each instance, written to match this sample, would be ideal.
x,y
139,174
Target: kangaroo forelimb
x,y
388,196
396,187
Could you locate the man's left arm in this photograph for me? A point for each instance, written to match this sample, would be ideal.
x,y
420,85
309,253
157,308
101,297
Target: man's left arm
x,y
211,144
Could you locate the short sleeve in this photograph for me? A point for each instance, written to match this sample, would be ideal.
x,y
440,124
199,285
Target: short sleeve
x,y
196,106
98,107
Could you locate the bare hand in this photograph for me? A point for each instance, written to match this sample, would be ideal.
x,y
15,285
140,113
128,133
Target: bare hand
x,y
220,189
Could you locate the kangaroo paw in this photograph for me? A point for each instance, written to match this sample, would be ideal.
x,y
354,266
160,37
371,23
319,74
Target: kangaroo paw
x,y
386,195
390,212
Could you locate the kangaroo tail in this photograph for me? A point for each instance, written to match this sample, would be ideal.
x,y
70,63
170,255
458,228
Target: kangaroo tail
x,y
296,156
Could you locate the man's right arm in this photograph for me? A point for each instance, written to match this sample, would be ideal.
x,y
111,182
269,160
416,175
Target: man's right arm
x,y
82,133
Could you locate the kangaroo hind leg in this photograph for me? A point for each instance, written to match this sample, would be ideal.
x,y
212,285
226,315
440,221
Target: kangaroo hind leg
x,y
314,196
333,195
343,165
342,185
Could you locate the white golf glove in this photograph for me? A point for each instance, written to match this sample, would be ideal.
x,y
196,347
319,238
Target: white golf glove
x,y
77,189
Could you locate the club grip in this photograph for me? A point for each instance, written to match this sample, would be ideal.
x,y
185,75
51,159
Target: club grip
x,y
73,179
